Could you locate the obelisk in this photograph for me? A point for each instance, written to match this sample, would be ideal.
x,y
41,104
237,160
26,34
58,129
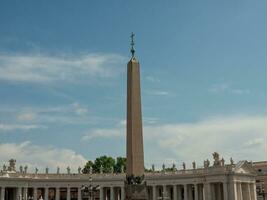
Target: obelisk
x,y
135,185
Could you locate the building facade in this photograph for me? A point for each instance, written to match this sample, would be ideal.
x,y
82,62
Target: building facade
x,y
261,179
216,182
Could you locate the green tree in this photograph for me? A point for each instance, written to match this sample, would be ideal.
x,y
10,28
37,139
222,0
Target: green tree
x,y
106,162
87,166
120,164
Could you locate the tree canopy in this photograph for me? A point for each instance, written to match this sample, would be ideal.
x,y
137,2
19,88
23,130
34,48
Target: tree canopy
x,y
107,163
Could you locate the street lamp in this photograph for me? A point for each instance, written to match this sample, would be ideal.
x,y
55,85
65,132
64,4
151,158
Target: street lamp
x,y
30,198
164,197
90,188
261,192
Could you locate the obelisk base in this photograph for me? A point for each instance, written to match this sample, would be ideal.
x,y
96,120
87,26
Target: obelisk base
x,y
136,192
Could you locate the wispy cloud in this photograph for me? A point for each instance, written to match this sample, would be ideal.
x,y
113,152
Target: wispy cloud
x,y
241,91
27,153
255,142
152,79
158,93
103,133
230,136
228,88
26,116
74,113
219,88
42,68
19,127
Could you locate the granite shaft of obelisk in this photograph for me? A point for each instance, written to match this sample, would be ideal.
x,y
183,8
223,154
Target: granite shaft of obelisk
x,y
135,152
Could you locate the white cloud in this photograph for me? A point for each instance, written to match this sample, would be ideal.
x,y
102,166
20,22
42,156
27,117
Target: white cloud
x,y
79,110
19,127
152,79
41,157
158,93
230,136
102,133
27,116
74,113
43,68
228,88
255,142
218,88
240,91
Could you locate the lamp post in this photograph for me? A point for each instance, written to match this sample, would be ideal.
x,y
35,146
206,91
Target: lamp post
x,y
261,192
90,188
164,197
30,197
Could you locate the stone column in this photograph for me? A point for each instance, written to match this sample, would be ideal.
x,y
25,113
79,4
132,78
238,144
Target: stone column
x,y
25,193
213,191
46,193
240,191
196,191
233,190
190,192
175,192
68,193
58,193
154,192
3,193
164,193
122,193
207,191
200,192
185,192
225,191
19,193
111,193
101,193
35,193
249,192
179,193
254,193
246,191
104,193
80,193
219,191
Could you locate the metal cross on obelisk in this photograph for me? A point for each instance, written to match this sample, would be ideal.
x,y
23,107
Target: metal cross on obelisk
x,y
132,44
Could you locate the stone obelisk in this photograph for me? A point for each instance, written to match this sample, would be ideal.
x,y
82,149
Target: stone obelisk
x,y
135,185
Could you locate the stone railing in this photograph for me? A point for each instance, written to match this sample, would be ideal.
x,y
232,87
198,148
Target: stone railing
x,y
198,171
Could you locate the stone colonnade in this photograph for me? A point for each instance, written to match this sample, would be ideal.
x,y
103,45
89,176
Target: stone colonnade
x,y
206,191
57,193
197,191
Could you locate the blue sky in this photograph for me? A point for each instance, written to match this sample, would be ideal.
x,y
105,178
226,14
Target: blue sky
x,y
63,79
